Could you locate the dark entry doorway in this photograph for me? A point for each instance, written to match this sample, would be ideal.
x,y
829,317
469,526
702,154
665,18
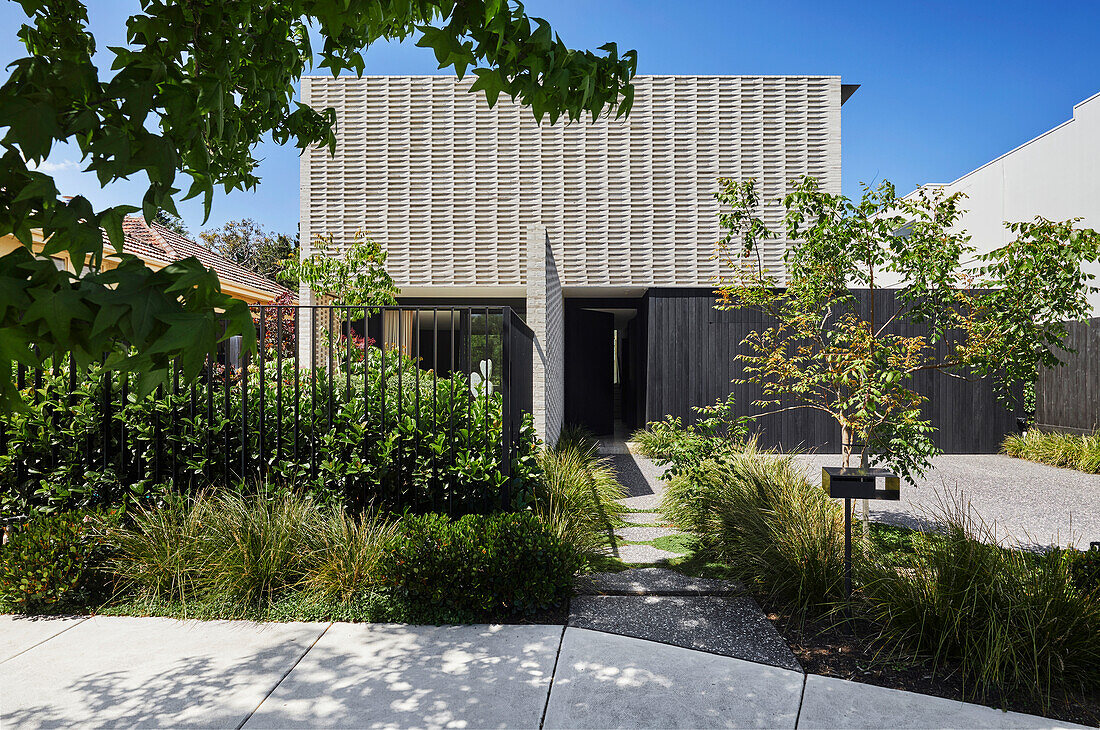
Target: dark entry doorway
x,y
589,369
604,365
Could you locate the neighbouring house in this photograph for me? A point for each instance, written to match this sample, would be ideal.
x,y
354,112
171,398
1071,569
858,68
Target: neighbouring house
x,y
158,247
1056,175
600,234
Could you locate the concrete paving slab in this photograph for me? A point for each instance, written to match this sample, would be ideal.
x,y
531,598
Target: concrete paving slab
x,y
836,703
386,675
112,671
20,633
730,626
643,554
608,681
654,582
643,533
642,518
643,501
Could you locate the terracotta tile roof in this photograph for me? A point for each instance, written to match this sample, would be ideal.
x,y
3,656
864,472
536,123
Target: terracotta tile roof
x,y
154,242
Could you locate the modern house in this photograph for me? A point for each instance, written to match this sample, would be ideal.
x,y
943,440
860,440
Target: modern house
x,y
601,234
158,247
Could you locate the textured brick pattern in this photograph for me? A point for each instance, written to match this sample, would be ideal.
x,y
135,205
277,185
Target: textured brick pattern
x,y
546,317
450,186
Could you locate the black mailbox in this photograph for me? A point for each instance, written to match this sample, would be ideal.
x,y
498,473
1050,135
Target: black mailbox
x,y
856,483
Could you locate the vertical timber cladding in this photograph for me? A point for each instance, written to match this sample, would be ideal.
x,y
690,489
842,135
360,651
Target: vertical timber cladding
x,y
1067,398
692,347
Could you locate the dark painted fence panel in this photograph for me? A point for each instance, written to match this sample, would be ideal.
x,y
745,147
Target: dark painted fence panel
x,y
1067,398
691,362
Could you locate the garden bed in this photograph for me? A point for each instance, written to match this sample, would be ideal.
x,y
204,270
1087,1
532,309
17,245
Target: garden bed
x,y
822,647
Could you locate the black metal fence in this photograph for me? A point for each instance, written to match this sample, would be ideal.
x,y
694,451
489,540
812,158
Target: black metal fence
x,y
410,407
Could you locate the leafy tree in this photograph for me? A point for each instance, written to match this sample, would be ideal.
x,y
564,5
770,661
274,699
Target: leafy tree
x,y
354,277
998,315
196,87
246,242
171,222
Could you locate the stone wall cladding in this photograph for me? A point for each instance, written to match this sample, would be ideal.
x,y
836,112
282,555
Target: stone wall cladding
x,y
450,187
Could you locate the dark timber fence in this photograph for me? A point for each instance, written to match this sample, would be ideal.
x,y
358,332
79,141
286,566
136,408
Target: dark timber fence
x,y
692,361
1067,398
409,406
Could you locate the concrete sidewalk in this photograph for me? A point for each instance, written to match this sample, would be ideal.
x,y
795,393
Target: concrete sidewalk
x,y
107,671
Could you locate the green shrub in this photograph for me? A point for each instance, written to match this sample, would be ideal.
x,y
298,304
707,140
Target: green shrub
x,y
1056,449
1011,620
360,434
479,566
658,440
758,513
53,561
576,496
719,434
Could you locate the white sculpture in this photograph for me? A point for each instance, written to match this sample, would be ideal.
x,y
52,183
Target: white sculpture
x,y
480,379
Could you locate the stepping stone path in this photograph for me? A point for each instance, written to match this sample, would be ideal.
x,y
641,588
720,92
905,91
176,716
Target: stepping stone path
x,y
642,518
661,605
655,582
731,626
642,480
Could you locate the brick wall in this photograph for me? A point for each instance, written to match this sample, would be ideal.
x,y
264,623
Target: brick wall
x,y
546,317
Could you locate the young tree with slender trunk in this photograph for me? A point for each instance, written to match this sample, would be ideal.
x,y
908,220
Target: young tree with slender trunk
x,y
998,315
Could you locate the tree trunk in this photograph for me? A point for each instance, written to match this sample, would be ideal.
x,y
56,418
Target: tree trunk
x,y
846,445
866,509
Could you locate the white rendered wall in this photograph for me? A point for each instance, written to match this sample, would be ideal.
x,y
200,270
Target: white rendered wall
x,y
450,187
1055,175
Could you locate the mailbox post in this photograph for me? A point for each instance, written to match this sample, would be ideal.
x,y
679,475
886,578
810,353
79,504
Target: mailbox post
x,y
849,483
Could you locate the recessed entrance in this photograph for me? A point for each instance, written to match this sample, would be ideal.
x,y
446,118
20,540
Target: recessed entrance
x,y
604,361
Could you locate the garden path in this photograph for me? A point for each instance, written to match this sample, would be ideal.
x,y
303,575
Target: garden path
x,y
643,537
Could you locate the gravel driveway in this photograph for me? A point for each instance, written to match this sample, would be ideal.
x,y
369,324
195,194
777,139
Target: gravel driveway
x,y
1032,503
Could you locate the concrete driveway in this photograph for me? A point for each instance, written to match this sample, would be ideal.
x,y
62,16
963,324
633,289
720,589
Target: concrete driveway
x,y
1031,503
125,672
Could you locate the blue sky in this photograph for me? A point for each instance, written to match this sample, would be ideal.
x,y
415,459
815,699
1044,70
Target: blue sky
x,y
946,86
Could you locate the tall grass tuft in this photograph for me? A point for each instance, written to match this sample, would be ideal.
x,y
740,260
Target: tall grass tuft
x,y
758,513
577,438
239,547
350,552
1056,449
162,552
258,548
1013,621
576,497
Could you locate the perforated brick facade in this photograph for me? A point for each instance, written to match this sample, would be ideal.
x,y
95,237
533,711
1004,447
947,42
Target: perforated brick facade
x,y
450,187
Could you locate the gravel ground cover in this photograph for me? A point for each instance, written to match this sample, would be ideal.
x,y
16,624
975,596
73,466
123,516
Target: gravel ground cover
x,y
1035,504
